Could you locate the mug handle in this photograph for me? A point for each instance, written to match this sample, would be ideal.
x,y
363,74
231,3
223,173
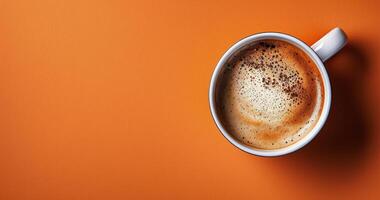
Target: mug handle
x,y
330,44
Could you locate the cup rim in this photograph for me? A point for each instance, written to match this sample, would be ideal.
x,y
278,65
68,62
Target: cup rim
x,y
326,84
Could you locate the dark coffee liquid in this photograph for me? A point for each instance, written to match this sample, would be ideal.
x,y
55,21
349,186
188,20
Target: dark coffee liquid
x,y
270,95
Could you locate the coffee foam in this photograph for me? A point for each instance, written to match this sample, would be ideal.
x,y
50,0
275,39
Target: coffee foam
x,y
270,95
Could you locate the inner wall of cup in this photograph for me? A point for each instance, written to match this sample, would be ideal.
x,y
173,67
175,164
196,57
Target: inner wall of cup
x,y
246,43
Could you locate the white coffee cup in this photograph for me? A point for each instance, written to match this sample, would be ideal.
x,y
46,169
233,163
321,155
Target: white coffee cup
x,y
319,52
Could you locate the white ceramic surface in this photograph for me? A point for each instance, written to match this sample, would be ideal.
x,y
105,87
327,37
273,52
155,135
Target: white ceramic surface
x,y
322,50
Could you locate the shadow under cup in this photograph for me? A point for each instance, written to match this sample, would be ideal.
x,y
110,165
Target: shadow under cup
x,y
241,46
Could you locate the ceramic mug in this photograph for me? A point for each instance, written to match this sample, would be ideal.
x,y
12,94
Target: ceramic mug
x,y
319,52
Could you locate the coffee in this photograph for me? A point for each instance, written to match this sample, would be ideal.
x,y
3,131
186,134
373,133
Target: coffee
x,y
269,95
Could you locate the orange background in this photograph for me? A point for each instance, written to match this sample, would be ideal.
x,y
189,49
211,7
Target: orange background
x,y
107,99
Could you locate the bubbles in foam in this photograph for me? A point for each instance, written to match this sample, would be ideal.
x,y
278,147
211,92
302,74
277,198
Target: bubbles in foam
x,y
273,93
